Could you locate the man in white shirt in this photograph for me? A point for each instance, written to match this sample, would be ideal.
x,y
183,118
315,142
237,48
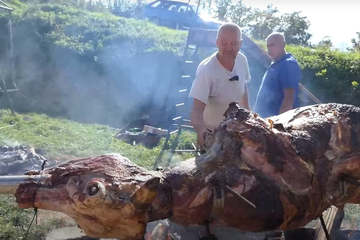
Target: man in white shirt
x,y
220,79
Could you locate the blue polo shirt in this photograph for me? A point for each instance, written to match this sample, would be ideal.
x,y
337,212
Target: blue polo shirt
x,y
282,74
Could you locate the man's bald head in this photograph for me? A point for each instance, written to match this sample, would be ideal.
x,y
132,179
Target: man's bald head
x,y
276,36
276,45
228,41
231,27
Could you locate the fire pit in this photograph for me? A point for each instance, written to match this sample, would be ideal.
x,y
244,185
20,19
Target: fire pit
x,y
149,136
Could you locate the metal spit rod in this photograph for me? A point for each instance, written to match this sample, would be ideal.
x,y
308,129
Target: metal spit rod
x,y
9,184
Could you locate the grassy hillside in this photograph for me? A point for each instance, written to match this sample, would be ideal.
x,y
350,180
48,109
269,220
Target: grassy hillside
x,y
88,32
65,139
66,57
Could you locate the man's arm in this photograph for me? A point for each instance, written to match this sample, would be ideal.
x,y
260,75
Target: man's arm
x,y
197,116
200,92
245,99
288,101
289,80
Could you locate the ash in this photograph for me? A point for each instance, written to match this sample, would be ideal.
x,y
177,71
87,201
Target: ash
x,y
20,159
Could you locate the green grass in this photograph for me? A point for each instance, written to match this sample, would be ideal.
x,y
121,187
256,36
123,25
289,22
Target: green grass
x,y
63,138
14,222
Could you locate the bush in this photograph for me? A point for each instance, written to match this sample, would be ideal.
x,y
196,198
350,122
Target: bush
x,y
332,76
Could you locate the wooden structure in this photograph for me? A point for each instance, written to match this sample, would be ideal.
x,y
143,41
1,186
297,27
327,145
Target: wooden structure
x,y
3,88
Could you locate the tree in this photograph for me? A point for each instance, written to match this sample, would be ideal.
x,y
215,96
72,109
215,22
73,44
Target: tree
x,y
325,43
222,8
295,28
264,22
260,23
355,43
241,14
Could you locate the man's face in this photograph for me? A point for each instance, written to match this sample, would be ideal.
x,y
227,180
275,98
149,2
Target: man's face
x,y
228,43
275,47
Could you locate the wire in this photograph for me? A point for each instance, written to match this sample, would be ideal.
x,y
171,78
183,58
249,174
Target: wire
x,y
34,197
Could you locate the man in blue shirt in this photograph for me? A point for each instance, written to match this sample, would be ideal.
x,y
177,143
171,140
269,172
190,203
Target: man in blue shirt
x,y
280,85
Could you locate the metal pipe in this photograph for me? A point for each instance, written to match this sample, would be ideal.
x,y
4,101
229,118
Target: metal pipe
x,y
9,184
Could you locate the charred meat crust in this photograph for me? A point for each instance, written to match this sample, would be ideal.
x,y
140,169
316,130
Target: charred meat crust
x,y
291,167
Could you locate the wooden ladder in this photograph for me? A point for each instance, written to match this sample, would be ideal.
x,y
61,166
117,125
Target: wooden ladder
x,y
182,106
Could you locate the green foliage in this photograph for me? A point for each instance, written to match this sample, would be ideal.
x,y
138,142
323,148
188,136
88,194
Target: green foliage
x,y
325,43
331,75
355,43
91,48
259,23
295,27
89,32
14,222
263,22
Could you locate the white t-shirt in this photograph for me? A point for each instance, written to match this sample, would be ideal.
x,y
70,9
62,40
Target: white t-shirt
x,y
212,86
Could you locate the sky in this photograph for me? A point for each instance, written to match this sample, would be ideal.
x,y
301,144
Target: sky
x,y
340,20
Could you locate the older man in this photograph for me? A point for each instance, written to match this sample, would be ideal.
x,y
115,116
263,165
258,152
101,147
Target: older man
x,y
220,79
280,85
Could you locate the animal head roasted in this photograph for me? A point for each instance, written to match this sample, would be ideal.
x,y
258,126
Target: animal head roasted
x,y
108,195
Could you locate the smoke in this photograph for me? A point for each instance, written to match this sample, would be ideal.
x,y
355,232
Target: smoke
x,y
111,85
11,143
117,83
256,73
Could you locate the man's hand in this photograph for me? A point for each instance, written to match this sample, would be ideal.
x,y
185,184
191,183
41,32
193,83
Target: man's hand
x,y
245,99
288,101
197,121
200,141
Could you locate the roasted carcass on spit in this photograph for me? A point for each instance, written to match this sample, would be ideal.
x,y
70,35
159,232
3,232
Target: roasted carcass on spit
x,y
256,175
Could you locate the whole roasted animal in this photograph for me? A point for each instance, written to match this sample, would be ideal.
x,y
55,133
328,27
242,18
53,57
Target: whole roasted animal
x,y
256,175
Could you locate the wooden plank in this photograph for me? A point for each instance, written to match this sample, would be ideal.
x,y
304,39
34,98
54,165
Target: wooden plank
x,y
9,90
184,126
175,131
329,217
185,150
